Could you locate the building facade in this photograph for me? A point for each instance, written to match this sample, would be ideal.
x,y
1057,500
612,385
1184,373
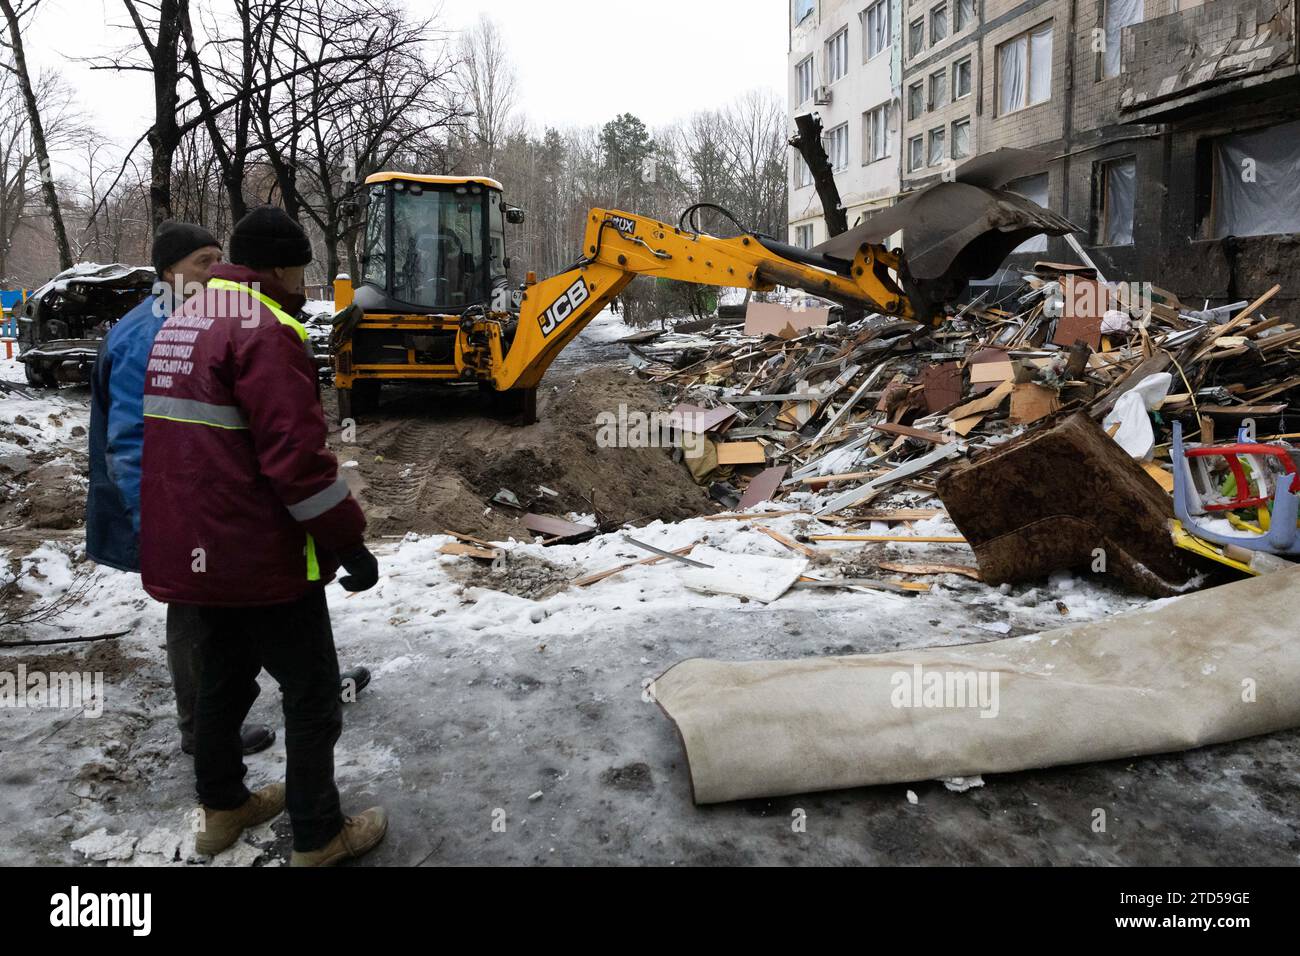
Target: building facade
x,y
844,65
1170,126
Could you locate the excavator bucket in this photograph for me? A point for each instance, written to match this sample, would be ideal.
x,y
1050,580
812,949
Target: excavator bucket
x,y
957,231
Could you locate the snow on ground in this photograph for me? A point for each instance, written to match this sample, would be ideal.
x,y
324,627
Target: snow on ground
x,y
11,370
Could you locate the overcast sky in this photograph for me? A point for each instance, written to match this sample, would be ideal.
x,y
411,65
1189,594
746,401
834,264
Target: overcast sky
x,y
579,62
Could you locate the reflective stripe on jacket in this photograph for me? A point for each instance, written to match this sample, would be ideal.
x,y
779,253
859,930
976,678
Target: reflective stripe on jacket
x,y
242,501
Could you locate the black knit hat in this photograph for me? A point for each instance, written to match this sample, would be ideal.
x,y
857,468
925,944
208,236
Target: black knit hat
x,y
175,240
267,238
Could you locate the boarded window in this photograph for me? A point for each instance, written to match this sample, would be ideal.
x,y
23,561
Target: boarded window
x,y
1033,188
1257,182
937,141
1119,14
915,100
961,139
875,28
1024,66
938,24
875,133
961,79
963,15
915,152
1118,181
837,56
938,89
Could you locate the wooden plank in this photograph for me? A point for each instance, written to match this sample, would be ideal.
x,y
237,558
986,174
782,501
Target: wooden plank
x,y
788,542
462,550
553,527
889,428
973,573
741,453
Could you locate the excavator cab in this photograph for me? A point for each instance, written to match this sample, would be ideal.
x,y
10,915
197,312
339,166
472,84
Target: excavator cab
x,y
433,251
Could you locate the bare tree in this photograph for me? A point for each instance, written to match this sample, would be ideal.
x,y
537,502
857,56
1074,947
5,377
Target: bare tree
x,y
15,11
489,84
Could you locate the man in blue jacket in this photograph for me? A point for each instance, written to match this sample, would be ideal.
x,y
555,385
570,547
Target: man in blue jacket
x,y
183,258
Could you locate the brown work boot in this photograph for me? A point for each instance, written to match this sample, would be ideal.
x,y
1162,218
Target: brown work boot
x,y
221,828
358,836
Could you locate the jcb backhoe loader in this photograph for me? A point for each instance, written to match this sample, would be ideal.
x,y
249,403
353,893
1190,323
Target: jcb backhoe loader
x,y
433,304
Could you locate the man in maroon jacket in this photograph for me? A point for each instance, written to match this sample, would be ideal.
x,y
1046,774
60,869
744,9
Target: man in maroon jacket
x,y
244,520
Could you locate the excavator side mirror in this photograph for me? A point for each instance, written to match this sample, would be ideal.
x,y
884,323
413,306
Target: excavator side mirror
x,y
514,215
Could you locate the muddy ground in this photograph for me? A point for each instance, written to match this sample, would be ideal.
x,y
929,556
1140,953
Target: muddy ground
x,y
431,460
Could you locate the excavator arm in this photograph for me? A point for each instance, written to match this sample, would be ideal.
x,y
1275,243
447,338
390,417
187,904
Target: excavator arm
x,y
619,246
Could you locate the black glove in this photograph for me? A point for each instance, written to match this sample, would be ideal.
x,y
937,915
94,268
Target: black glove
x,y
362,568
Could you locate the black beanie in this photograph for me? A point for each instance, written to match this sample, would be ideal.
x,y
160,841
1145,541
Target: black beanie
x,y
175,240
267,238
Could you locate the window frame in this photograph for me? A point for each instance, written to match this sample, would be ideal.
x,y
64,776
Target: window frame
x,y
1027,36
940,9
810,63
919,88
942,76
840,37
868,33
1102,182
952,140
941,133
919,48
969,62
914,141
957,7
868,139
839,132
812,8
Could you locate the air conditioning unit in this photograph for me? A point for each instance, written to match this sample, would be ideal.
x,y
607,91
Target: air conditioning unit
x,y
822,96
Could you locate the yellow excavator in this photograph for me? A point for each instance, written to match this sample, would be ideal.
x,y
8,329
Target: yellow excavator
x,y
433,302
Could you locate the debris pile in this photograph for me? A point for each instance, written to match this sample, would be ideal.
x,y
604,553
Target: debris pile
x,y
1059,415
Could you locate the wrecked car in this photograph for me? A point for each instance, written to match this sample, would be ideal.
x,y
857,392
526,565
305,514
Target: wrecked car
x,y
62,323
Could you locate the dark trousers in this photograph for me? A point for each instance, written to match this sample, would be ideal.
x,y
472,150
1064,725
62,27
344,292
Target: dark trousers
x,y
181,628
295,644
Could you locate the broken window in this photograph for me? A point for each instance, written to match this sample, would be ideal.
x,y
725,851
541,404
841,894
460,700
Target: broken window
x,y
963,15
915,153
837,56
1118,182
938,23
937,139
802,9
961,138
916,37
961,78
1119,14
938,89
875,133
803,236
1033,188
875,28
1257,182
803,80
837,147
1024,70
915,100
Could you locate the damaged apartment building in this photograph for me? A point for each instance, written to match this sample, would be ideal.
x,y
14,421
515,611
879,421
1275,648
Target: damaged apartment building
x,y
1170,126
